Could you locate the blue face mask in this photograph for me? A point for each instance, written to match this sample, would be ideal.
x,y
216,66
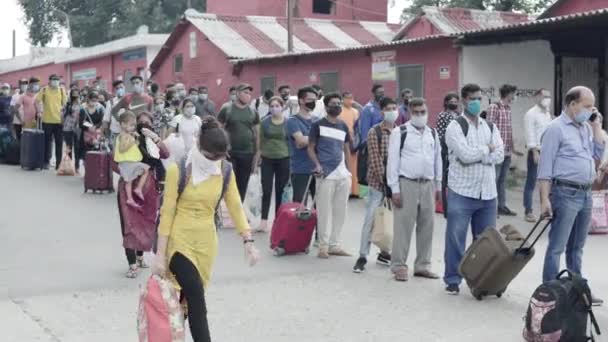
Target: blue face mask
x,y
120,92
474,107
583,116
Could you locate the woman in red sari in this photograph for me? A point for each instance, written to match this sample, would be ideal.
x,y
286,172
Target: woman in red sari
x,y
138,225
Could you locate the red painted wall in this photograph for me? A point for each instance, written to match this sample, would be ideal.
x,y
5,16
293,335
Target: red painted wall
x,y
120,66
575,6
109,68
421,28
102,65
42,72
373,10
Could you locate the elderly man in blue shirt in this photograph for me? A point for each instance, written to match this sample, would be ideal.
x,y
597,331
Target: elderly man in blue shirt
x,y
372,113
566,170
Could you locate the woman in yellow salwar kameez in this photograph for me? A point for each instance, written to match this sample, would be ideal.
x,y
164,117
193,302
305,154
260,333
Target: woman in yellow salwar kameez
x,y
187,243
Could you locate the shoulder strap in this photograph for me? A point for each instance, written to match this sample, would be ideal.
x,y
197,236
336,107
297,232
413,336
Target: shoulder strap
x,y
434,133
226,175
257,104
464,125
183,176
403,130
378,130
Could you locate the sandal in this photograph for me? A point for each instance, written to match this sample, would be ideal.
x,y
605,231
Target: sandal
x,y
142,263
133,272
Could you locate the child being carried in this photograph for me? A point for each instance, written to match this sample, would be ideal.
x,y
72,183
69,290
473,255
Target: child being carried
x,y
129,158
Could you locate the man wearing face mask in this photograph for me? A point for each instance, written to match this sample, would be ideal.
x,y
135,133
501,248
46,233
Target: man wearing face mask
x,y
261,104
413,173
180,90
566,170
5,106
204,105
536,121
500,114
404,111
231,97
137,101
111,126
371,114
474,148
377,149
450,112
17,123
319,111
27,107
329,151
242,124
52,98
291,103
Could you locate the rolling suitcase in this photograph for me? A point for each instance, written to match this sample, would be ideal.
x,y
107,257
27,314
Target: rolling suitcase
x,y
293,227
492,261
32,148
98,171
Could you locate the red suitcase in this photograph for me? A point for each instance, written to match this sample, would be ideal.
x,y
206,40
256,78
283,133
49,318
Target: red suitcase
x,y
293,227
98,175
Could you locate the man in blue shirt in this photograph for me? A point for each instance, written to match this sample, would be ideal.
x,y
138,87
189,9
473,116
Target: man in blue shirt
x,y
404,111
566,170
298,129
372,113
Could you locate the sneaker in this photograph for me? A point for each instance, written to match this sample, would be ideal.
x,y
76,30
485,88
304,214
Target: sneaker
x,y
323,253
384,259
453,290
400,274
506,212
337,251
596,301
360,265
530,218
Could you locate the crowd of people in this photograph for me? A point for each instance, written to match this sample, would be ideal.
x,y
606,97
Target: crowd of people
x,y
319,139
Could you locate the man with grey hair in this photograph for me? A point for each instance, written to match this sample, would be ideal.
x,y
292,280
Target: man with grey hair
x,y
566,171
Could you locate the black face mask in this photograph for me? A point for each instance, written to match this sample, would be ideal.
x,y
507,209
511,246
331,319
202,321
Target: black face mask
x,y
311,105
175,103
285,97
334,110
379,98
406,102
452,106
141,126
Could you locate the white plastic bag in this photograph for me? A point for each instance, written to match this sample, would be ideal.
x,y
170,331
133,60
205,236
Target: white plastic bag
x,y
253,200
177,149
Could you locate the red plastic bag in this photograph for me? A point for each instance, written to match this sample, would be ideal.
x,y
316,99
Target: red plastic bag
x,y
160,317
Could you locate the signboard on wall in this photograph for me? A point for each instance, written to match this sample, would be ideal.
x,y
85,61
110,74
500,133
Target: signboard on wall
x,y
133,55
444,73
84,74
384,66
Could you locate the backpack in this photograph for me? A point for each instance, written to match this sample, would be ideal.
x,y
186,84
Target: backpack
x,y
363,157
403,129
185,171
559,310
464,125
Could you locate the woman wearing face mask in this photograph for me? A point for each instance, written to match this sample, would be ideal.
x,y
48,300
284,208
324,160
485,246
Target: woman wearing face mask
x,y
187,241
275,158
138,226
71,115
188,123
450,112
162,117
90,120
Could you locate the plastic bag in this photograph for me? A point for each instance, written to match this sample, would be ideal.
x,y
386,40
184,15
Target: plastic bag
x,y
160,317
66,167
287,196
253,200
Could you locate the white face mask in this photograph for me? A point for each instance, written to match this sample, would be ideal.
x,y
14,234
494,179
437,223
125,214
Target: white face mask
x,y
546,103
189,111
204,97
419,121
232,97
138,88
54,83
160,107
391,116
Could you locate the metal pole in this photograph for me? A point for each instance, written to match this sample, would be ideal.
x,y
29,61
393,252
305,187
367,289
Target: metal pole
x,y
14,43
189,4
290,6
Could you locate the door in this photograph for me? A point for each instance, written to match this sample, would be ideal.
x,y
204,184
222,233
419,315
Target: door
x,y
411,77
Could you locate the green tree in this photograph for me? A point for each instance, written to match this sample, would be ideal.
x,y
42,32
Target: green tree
x,y
526,6
94,22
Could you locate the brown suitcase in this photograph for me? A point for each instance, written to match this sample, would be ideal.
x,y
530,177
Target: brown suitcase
x,y
98,173
492,262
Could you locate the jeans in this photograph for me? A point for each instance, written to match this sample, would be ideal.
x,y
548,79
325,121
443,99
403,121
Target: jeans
x,y
481,214
53,131
374,201
501,179
530,182
298,183
277,170
242,164
332,199
569,229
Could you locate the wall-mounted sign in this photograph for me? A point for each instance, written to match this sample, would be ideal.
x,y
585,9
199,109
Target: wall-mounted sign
x,y
133,55
312,77
444,73
84,74
384,66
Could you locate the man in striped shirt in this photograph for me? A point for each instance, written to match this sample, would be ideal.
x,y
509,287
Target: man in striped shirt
x,y
474,148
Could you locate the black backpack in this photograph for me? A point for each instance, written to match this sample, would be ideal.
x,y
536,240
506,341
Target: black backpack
x,y
363,157
559,310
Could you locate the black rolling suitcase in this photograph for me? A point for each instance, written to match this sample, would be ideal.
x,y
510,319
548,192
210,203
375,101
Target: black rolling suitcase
x,y
32,148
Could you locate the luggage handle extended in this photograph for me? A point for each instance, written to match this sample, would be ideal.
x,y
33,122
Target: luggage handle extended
x,y
306,193
524,250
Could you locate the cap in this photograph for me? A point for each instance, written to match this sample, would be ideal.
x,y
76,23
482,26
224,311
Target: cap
x,y
244,86
34,80
6,85
136,77
23,81
54,77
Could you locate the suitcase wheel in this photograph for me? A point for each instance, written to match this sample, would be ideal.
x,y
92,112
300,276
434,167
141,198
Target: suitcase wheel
x,y
478,294
500,293
279,252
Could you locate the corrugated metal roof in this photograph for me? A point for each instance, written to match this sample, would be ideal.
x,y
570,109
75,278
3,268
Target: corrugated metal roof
x,y
37,57
470,33
256,36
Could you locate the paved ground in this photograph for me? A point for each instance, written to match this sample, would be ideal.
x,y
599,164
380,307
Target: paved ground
x,y
61,280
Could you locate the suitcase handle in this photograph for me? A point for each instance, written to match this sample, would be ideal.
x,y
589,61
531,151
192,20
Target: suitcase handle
x,y
306,193
523,249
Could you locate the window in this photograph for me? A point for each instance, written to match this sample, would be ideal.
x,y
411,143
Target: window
x,y
323,7
329,82
412,77
178,63
193,44
267,82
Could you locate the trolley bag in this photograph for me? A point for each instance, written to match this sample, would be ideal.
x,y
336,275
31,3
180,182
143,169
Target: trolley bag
x,y
32,148
493,261
98,171
293,227
160,317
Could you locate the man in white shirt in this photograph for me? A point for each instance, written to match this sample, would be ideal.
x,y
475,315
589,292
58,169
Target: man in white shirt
x,y
110,122
535,123
261,104
474,148
319,111
414,169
